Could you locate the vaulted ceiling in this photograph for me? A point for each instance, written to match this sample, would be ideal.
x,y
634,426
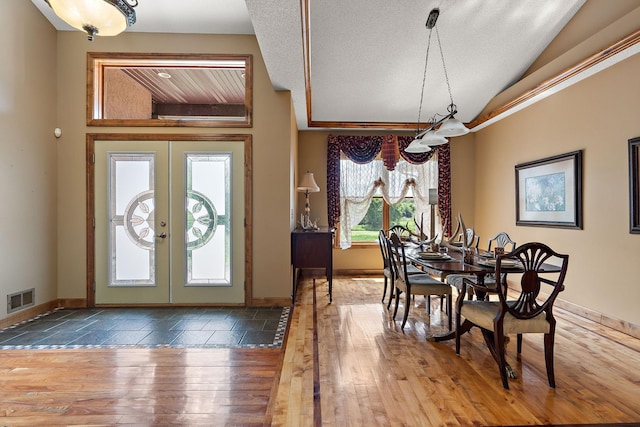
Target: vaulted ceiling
x,y
360,63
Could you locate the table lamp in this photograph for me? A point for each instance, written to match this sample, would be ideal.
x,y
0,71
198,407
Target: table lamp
x,y
308,185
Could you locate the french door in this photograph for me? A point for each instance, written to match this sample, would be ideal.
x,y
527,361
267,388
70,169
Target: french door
x,y
169,222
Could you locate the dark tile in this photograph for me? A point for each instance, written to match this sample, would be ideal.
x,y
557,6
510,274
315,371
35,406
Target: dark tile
x,y
27,338
190,324
270,314
93,338
271,325
180,326
58,338
249,325
126,337
39,325
81,314
242,313
226,337
59,314
131,324
215,315
220,325
103,324
185,313
75,325
257,337
160,337
161,324
193,338
9,334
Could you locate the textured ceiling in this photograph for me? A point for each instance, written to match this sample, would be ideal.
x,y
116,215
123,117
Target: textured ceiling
x,y
360,63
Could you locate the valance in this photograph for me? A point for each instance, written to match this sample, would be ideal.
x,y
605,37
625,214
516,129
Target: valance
x,y
363,149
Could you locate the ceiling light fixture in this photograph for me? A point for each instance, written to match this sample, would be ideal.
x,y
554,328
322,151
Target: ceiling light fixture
x,y
96,17
449,125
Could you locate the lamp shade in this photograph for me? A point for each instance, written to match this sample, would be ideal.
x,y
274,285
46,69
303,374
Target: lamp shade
x,y
417,146
452,127
431,138
96,17
308,183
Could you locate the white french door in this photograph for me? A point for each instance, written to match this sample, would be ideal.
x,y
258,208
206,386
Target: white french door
x,y
169,222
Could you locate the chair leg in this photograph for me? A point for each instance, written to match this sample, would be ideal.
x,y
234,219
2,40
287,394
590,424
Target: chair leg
x,y
392,291
384,289
548,356
502,363
395,311
428,301
406,308
449,309
519,338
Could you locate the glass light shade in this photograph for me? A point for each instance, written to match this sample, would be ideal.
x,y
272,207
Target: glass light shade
x,y
105,16
452,127
431,138
417,146
308,183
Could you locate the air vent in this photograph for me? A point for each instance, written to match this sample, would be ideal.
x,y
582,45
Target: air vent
x,y
20,300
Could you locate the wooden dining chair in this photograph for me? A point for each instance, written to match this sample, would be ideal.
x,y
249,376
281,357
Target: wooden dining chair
x,y
500,240
472,240
388,271
414,284
530,309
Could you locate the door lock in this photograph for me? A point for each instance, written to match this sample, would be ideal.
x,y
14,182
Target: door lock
x,y
162,235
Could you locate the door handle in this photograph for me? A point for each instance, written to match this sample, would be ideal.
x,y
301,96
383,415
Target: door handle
x,y
162,235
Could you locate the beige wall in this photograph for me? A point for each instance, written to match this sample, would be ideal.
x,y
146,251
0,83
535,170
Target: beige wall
x,y
597,115
272,140
28,160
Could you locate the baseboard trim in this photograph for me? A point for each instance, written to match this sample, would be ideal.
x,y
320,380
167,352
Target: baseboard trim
x,y
611,322
72,302
270,302
28,313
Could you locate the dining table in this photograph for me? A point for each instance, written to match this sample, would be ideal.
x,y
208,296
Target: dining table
x,y
452,262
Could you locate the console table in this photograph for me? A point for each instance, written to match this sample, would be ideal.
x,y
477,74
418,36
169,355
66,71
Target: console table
x,y
312,249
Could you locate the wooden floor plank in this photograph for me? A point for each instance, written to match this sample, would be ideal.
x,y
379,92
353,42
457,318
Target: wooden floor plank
x,y
370,373
373,373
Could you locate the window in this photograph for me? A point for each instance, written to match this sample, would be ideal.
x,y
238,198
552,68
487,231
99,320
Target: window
x,y
373,198
381,215
198,90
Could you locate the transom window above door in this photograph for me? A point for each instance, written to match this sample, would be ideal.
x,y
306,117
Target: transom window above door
x,y
200,90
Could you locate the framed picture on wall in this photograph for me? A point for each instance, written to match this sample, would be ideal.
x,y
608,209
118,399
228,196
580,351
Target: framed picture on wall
x,y
634,186
549,191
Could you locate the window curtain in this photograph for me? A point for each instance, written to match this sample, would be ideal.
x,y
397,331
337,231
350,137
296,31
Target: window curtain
x,y
363,150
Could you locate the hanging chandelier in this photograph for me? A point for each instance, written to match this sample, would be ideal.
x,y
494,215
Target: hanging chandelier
x,y
96,17
440,126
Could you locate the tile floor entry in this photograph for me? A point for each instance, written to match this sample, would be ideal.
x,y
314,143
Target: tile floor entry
x,y
174,327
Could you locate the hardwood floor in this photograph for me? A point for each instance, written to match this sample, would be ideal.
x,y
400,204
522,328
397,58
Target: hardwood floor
x,y
361,370
372,373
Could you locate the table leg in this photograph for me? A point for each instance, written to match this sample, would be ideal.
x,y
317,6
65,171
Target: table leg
x,y
464,328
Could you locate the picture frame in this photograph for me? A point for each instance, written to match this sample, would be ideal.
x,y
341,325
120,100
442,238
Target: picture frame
x,y
634,186
549,191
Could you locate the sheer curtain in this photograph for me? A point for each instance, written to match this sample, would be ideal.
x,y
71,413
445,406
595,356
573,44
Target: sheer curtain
x,y
359,183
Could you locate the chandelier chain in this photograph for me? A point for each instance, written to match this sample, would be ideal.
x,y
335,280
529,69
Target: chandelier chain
x,y
424,78
444,66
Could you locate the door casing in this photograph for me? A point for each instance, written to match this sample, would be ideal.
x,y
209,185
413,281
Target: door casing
x,y
90,208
